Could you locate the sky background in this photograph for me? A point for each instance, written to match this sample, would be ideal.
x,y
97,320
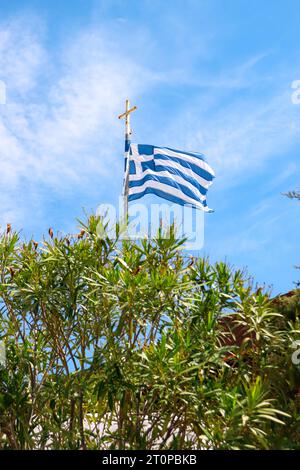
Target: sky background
x,y
213,76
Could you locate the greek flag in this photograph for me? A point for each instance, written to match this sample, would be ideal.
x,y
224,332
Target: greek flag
x,y
175,175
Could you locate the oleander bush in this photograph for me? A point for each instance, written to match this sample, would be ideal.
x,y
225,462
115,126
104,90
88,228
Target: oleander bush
x,y
114,344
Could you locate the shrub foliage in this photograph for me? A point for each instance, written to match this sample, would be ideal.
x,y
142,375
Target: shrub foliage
x,y
119,344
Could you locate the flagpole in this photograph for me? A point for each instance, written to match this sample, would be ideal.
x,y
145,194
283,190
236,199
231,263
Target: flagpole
x,y
128,133
127,145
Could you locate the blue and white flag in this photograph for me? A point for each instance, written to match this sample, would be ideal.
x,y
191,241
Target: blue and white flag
x,y
175,175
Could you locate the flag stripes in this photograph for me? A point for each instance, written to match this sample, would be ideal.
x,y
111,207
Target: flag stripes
x,y
179,176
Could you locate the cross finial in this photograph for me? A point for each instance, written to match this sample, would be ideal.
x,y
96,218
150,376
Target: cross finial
x,y
126,115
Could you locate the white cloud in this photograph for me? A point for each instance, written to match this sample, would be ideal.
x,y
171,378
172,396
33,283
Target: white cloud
x,y
239,135
62,133
22,56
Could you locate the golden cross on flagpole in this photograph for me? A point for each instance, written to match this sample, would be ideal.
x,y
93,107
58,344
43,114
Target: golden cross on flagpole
x,y
127,117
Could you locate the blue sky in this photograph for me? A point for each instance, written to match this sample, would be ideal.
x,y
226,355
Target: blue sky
x,y
212,76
